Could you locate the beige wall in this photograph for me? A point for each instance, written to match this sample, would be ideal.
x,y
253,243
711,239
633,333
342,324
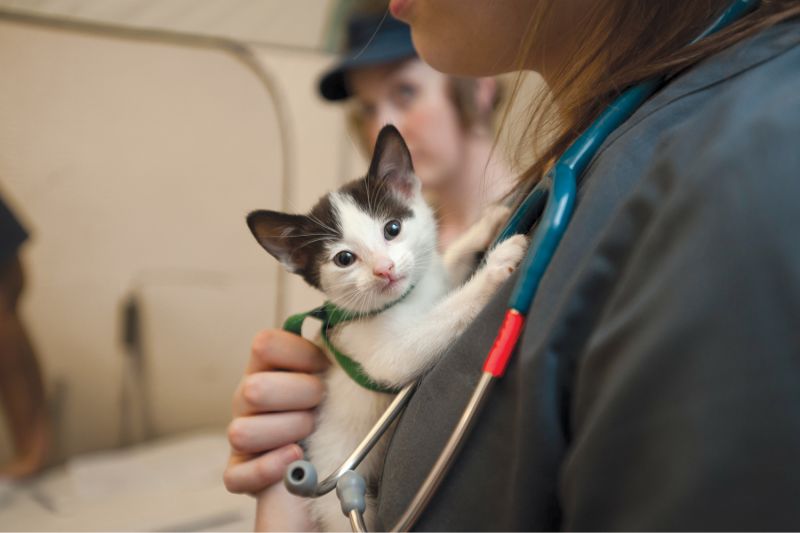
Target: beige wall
x,y
133,162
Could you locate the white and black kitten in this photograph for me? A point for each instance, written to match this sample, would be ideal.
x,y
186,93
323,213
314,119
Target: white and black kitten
x,y
371,246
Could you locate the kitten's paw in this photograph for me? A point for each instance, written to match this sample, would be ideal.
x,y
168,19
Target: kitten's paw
x,y
505,257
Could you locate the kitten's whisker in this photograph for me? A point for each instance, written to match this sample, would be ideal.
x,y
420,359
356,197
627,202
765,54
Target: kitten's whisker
x,y
366,190
349,297
383,197
300,235
308,243
313,218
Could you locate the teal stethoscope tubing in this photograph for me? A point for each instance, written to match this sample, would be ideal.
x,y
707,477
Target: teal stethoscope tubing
x,y
550,203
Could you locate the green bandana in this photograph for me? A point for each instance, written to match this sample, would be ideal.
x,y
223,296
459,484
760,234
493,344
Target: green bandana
x,y
331,316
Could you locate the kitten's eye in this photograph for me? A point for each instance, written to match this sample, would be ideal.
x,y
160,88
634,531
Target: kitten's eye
x,y
344,259
391,229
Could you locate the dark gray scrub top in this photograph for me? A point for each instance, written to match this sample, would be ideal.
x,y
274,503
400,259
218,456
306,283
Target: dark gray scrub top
x,y
657,383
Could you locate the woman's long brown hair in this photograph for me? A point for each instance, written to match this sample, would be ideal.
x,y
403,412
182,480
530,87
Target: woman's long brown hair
x,y
623,42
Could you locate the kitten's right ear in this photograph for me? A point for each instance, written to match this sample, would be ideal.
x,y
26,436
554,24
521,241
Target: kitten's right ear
x,y
280,234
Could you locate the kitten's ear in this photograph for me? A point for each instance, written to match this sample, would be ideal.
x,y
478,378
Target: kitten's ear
x,y
280,234
391,163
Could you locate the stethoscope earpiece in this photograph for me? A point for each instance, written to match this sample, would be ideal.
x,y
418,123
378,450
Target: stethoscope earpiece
x,y
301,479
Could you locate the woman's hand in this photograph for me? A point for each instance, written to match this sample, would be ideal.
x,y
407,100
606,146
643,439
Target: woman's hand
x,y
272,410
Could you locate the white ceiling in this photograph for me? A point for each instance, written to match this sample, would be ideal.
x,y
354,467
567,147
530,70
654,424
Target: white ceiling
x,y
289,23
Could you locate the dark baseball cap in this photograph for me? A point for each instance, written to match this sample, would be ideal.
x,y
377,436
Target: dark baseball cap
x,y
371,40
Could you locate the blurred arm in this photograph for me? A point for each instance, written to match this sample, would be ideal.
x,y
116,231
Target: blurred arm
x,y
21,387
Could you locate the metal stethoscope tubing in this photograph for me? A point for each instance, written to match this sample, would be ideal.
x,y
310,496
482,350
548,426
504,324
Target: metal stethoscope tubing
x,y
301,476
549,205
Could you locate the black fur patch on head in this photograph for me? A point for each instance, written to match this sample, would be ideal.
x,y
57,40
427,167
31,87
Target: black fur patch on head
x,y
323,228
377,199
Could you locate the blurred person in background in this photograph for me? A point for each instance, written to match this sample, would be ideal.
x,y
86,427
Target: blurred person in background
x,y
21,385
447,121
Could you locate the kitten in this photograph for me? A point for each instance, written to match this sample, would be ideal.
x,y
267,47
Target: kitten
x,y
371,247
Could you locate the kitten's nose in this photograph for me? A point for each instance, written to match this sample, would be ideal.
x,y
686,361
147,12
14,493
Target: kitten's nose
x,y
383,268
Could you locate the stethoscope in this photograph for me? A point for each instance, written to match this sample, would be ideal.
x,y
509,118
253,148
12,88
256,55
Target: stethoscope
x,y
550,203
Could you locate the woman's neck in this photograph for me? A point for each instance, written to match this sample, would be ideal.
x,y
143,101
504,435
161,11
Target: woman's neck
x,y
477,184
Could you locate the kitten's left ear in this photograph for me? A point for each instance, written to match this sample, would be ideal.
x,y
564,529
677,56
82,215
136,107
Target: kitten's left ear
x,y
282,235
391,163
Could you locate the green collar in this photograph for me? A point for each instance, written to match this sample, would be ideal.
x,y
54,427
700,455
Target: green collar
x,y
331,316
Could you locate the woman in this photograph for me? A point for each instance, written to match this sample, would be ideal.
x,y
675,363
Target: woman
x,y
655,385
446,121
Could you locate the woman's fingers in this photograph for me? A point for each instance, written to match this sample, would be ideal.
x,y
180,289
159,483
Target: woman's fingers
x,y
246,474
280,350
257,433
265,389
266,392
273,409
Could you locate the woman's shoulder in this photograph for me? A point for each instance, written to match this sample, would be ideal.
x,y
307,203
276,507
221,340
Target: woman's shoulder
x,y
738,145
759,103
743,138
718,113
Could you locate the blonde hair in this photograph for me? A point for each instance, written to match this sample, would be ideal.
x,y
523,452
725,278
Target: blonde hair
x,y
623,42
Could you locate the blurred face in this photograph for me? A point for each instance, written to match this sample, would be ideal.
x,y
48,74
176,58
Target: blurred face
x,y
413,97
